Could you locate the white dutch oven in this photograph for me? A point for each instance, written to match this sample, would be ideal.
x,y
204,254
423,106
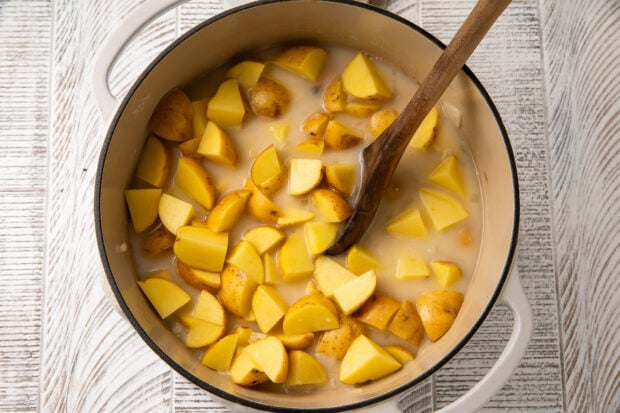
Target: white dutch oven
x,y
340,22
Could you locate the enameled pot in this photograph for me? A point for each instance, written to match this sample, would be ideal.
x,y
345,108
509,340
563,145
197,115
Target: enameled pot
x,y
347,23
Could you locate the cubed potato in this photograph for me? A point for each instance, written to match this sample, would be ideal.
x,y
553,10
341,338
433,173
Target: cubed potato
x,y
143,207
312,146
190,147
228,210
272,275
438,310
199,279
172,118
165,296
270,356
407,324
424,135
157,242
201,248
380,120
304,175
267,172
217,146
444,210
400,353
263,238
280,131
411,268
220,354
378,311
360,260
193,179
361,109
259,206
309,314
331,206
174,212
353,294
200,118
209,308
237,291
247,72
269,99
200,332
448,174
226,107
366,360
305,369
362,79
446,273
341,177
319,236
408,223
336,342
330,275
268,307
335,98
294,259
154,163
297,341
244,257
338,136
315,124
306,61
294,216
245,372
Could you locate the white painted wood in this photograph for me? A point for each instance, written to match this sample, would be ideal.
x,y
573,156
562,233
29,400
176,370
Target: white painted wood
x,y
551,66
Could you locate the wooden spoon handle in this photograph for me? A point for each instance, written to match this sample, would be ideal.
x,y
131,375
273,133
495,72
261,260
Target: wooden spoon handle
x,y
381,158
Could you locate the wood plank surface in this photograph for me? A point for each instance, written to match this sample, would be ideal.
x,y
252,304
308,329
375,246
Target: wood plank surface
x,y
551,66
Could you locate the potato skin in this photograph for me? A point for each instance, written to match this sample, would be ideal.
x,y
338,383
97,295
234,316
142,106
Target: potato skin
x,y
173,117
157,242
269,98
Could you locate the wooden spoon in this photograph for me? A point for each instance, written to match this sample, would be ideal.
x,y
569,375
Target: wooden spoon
x,y
380,159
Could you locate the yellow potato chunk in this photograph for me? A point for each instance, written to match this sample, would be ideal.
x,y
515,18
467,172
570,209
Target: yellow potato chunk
x,y
444,210
154,163
201,248
305,369
268,307
237,291
361,109
446,273
406,324
201,332
424,135
190,147
269,98
226,107
157,242
198,279
400,353
319,236
172,118
378,311
354,293
330,275
438,310
267,172
336,342
259,206
448,174
309,314
366,360
312,146
294,259
306,61
270,356
411,268
165,296
245,372
192,179
335,99
294,216
341,177
362,79
209,308
174,212
304,175
338,136
216,145
244,257
360,260
331,206
228,210
200,117
408,223
143,207
381,120
272,276
220,354
280,131
315,124
297,341
246,72
263,238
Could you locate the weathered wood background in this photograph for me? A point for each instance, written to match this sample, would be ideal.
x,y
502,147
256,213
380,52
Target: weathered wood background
x,y
551,66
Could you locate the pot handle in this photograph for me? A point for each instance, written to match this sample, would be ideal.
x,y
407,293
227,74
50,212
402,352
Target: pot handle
x,y
116,41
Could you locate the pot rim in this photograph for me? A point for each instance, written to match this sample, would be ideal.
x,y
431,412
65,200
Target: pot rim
x,y
230,396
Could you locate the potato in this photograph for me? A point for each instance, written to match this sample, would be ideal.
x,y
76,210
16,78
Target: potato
x,y
304,175
157,242
378,311
269,98
424,135
217,146
361,109
270,356
244,257
209,308
444,210
154,163
294,259
309,314
246,72
400,353
446,273
437,310
380,120
192,179
165,296
280,131
143,207
272,275
335,99
331,206
406,324
220,354
172,118
263,238
304,369
336,342
315,124
237,291
201,332
190,147
199,119
306,61
359,260
201,248
294,216
408,223
411,268
228,210
245,372
297,341
198,279
174,212
353,294
268,307
448,174
319,236
226,107
340,137
312,146
267,172
362,79
330,275
259,206
341,177
365,360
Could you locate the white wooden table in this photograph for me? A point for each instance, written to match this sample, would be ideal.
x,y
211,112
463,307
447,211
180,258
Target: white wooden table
x,y
551,66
